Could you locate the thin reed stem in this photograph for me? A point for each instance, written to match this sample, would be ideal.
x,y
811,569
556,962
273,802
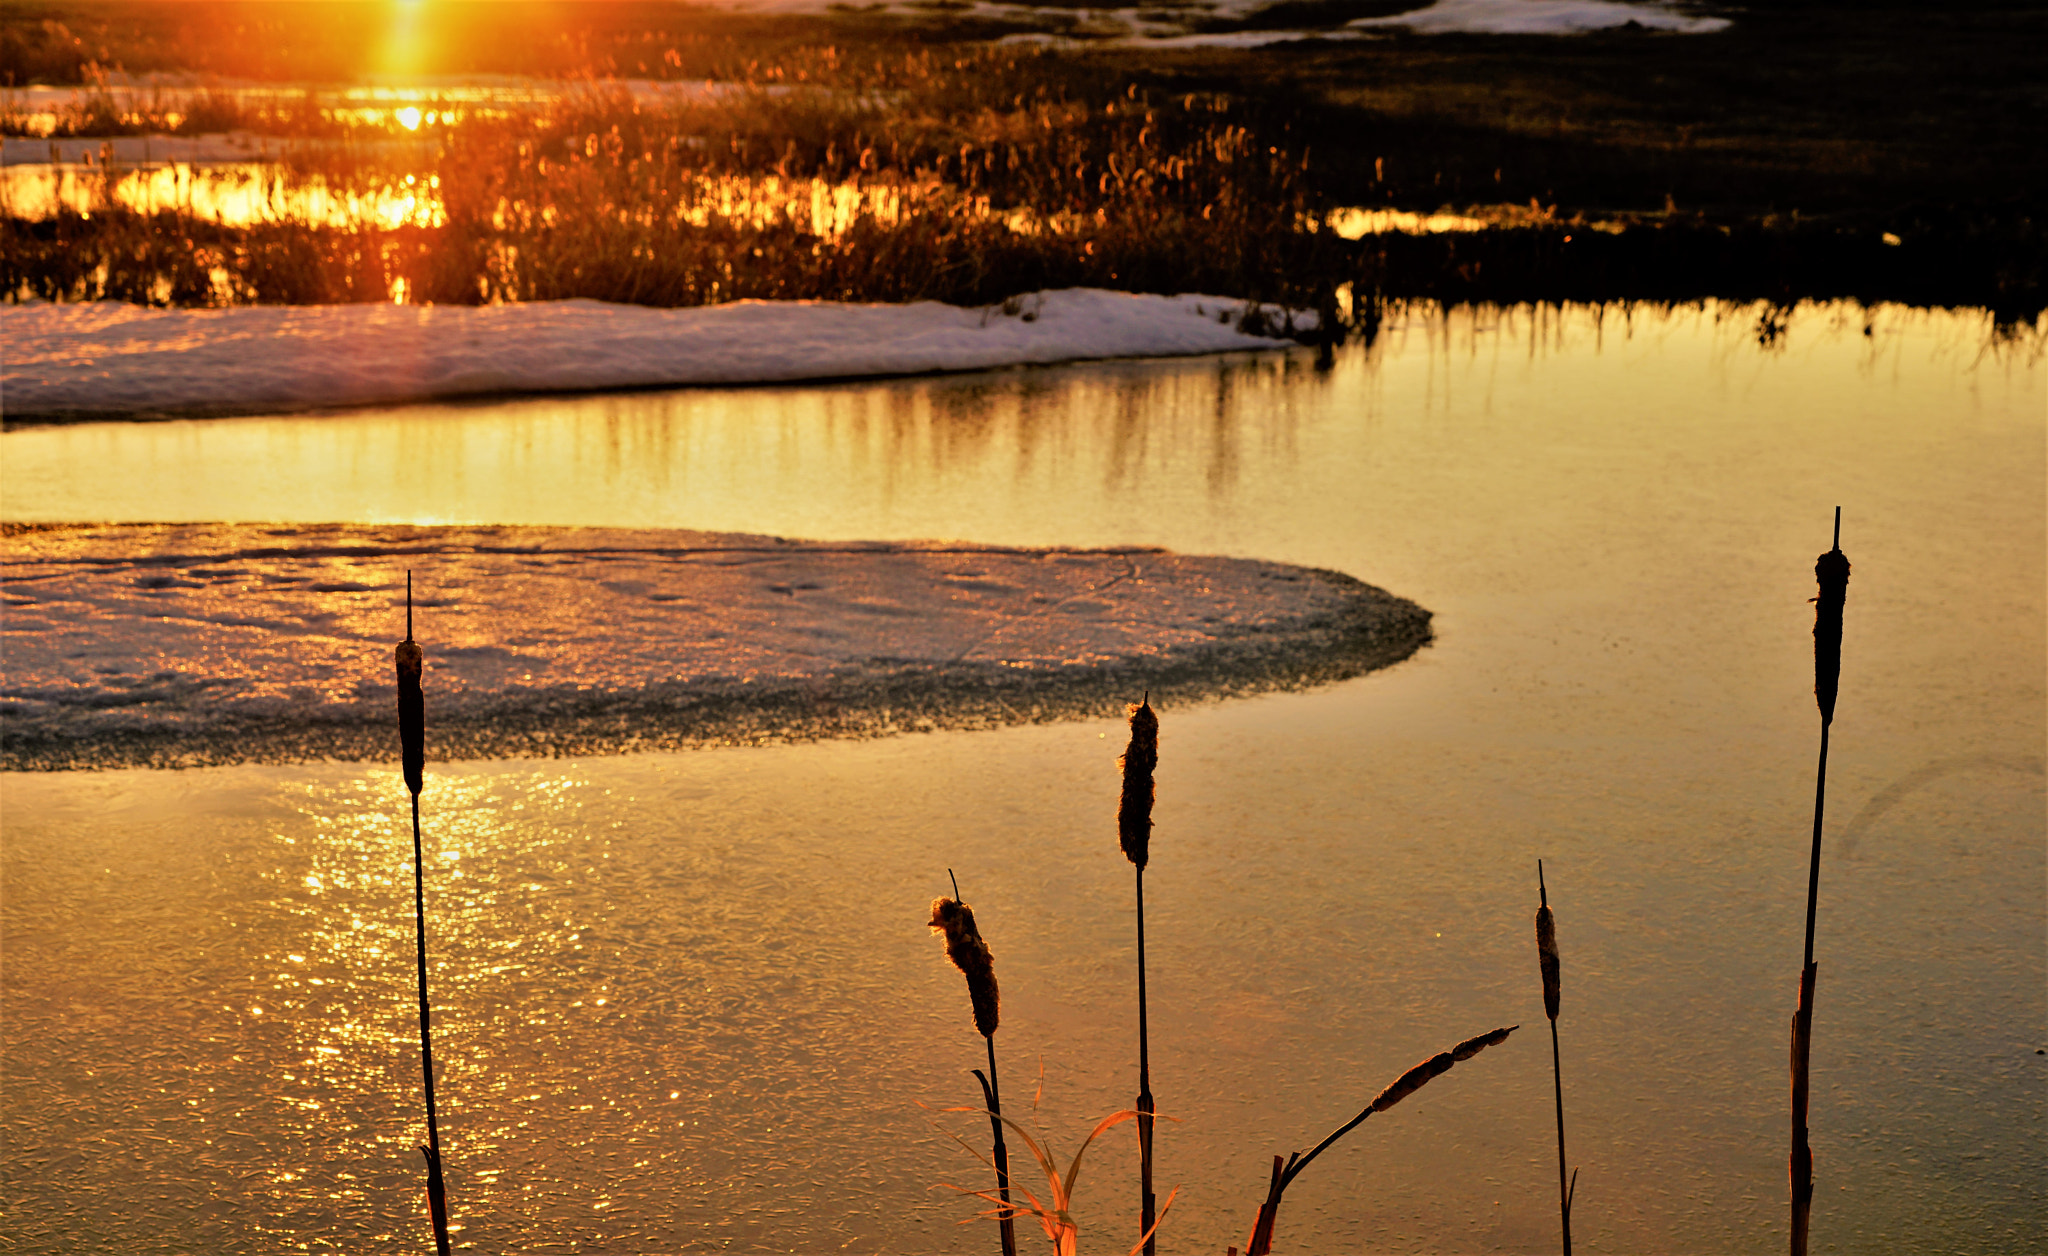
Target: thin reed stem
x,y
437,1192
1801,1163
1564,1189
1820,807
1147,1204
992,1092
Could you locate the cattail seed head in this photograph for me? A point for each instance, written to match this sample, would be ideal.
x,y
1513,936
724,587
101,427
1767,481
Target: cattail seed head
x,y
1546,957
1134,810
1437,1065
1832,571
970,955
412,714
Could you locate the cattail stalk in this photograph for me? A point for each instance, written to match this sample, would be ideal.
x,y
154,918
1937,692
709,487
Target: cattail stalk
x,y
1284,1173
970,955
412,754
1546,960
1831,570
1134,830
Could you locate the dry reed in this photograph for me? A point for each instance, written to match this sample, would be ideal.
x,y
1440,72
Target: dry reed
x,y
1055,1214
412,751
1553,989
1831,570
1261,1241
970,955
1134,830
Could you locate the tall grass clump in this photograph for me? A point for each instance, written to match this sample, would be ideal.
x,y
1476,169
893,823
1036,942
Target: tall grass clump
x,y
412,742
1134,830
1553,989
1261,1241
966,178
970,955
1831,570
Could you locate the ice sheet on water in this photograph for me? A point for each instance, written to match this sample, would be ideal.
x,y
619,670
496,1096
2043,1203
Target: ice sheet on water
x,y
109,358
1543,17
210,643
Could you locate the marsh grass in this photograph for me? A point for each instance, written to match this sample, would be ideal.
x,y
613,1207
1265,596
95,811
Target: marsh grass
x,y
912,176
1055,1213
962,174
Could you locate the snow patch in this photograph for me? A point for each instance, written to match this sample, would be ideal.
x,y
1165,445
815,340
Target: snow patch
x,y
110,358
209,643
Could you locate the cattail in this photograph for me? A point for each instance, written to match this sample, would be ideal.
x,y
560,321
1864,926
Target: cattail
x,y
1546,955
970,955
1134,810
1831,570
1261,1241
1134,829
412,756
1436,1066
412,711
1546,959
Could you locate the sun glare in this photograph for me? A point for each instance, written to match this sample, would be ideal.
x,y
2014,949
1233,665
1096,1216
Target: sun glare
x,y
409,118
403,50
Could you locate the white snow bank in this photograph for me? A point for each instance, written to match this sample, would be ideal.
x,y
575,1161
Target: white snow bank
x,y
214,643
1542,17
110,358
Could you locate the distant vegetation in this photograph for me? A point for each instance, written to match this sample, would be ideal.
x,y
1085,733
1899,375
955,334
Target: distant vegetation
x,y
1811,151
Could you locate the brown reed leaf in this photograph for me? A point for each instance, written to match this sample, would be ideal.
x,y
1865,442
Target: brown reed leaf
x,y
970,955
1134,809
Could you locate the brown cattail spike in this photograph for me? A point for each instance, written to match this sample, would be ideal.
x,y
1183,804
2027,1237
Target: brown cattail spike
x,y
1546,947
412,704
1436,1066
1832,571
1134,810
970,955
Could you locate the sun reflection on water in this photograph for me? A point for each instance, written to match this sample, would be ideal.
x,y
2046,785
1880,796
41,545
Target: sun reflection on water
x,y
236,194
338,985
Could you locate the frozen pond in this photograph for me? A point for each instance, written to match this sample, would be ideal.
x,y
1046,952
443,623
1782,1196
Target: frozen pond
x,y
687,1002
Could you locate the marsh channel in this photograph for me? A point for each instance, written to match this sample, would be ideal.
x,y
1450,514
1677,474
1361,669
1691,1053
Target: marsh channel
x,y
687,1002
